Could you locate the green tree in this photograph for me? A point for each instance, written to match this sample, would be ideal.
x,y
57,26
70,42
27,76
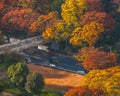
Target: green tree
x,y
55,5
35,83
17,74
49,94
41,6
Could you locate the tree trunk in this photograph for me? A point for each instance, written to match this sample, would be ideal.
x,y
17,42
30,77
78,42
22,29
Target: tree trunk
x,y
66,42
8,38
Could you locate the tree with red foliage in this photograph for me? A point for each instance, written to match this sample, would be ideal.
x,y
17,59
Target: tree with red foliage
x,y
101,17
18,20
8,5
2,4
84,91
93,58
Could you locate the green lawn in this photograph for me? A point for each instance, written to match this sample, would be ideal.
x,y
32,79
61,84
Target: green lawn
x,y
20,93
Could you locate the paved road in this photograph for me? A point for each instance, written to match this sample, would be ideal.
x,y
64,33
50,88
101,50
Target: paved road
x,y
36,56
52,59
22,44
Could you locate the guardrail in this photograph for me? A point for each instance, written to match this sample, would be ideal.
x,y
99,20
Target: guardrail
x,y
58,68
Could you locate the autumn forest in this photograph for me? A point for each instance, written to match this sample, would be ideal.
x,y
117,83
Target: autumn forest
x,y
88,30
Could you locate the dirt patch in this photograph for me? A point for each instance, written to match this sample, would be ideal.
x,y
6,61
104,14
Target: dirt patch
x,y
6,94
57,80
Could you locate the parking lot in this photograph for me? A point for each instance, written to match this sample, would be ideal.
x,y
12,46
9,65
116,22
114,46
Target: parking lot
x,y
52,59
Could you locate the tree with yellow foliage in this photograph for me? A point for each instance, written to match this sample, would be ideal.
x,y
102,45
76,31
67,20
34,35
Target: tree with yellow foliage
x,y
72,10
88,34
49,34
107,80
60,32
63,31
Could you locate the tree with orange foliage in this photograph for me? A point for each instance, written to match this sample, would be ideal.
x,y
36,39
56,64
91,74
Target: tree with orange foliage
x,y
43,22
84,52
7,5
101,17
17,21
84,91
2,4
93,58
88,34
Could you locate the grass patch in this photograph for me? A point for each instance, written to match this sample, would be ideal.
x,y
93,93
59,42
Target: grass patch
x,y
46,94
13,91
17,92
3,67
